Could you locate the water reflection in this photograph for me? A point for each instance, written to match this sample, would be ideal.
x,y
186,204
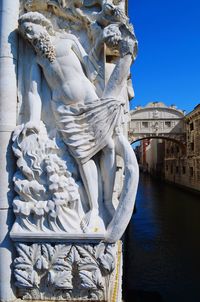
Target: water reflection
x,y
144,296
162,246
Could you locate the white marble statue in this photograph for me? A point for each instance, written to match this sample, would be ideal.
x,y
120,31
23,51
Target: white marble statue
x,y
77,175
88,124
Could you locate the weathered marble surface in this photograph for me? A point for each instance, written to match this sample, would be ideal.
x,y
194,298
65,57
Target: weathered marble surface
x,y
68,271
73,88
73,94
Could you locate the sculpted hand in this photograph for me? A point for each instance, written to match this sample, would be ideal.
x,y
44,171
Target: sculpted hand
x,y
111,35
31,128
128,46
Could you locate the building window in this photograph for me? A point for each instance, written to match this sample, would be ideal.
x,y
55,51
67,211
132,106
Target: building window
x,y
145,124
192,146
177,169
177,149
183,170
172,150
166,167
191,172
168,124
191,126
171,169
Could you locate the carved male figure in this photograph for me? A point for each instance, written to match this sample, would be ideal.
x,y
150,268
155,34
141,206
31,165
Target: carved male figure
x,y
86,122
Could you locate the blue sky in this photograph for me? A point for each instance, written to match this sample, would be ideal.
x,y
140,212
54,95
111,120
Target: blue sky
x,y
167,68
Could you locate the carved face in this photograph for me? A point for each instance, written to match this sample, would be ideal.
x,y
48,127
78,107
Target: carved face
x,y
33,31
39,37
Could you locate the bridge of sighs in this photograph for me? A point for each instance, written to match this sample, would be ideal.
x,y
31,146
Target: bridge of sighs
x,y
156,120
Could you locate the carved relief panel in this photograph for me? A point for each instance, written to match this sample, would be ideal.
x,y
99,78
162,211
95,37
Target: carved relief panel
x,y
73,73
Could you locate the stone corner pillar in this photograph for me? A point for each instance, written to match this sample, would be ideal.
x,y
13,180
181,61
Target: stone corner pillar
x,y
9,11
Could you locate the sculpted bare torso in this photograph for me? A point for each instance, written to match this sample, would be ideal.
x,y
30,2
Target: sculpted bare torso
x,y
65,75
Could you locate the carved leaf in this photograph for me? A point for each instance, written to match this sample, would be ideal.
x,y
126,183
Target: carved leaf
x,y
107,263
20,265
91,249
58,257
87,280
24,251
97,277
90,275
24,271
22,279
60,273
106,257
74,255
62,280
88,270
41,264
26,279
61,265
61,251
23,207
85,255
48,252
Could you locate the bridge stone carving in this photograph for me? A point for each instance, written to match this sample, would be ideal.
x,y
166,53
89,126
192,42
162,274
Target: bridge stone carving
x,y
156,120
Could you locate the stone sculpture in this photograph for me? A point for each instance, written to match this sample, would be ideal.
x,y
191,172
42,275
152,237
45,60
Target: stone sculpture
x,y
64,272
73,91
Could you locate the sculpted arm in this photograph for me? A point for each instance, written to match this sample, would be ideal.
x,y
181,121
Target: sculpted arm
x,y
90,66
119,76
34,98
78,49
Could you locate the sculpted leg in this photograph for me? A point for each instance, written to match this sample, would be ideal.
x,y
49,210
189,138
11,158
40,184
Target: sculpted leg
x,y
124,210
91,222
108,170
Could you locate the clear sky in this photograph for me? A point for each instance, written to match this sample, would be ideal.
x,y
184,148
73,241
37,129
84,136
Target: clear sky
x,y
167,68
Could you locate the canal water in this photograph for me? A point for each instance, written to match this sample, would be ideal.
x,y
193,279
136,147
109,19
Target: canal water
x,y
162,245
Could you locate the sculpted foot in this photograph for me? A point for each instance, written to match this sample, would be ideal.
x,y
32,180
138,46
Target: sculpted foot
x,y
92,223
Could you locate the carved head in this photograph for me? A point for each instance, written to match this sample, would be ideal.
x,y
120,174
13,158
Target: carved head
x,y
37,29
33,23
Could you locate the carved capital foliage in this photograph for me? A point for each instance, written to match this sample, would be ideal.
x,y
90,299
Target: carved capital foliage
x,y
64,271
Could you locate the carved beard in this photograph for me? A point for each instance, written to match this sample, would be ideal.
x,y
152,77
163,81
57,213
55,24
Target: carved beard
x,y
44,47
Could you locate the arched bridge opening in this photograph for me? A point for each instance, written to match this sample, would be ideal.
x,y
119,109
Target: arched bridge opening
x,y
156,120
179,141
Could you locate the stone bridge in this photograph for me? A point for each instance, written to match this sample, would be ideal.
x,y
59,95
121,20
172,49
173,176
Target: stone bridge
x,y
156,120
